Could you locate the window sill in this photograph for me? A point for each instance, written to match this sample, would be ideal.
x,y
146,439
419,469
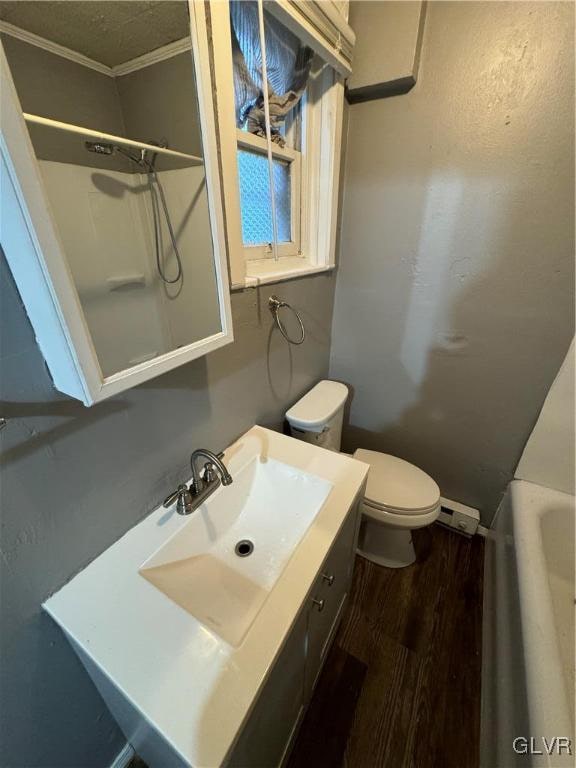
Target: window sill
x,y
265,271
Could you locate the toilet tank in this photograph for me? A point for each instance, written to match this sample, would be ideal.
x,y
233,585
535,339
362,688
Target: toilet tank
x,y
317,417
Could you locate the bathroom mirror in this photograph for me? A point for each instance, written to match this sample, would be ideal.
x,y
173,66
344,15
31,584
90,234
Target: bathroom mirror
x,y
117,175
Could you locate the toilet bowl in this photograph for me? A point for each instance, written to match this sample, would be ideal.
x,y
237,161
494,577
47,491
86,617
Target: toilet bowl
x,y
399,496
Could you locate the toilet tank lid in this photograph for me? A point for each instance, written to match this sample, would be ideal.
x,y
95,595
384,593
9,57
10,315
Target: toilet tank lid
x,y
318,406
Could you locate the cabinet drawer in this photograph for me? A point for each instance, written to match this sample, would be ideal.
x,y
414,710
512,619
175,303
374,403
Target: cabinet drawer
x,y
326,598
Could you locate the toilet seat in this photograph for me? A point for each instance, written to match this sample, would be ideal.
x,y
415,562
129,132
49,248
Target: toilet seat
x,y
397,491
402,520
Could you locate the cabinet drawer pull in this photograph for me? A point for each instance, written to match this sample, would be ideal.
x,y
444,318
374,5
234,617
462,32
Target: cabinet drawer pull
x,y
319,604
328,579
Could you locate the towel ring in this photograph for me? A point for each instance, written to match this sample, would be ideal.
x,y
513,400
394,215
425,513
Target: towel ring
x,y
274,305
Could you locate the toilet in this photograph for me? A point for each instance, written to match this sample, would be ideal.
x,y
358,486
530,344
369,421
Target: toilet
x,y
399,496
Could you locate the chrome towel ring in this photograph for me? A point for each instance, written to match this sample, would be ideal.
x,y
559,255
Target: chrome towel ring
x,y
275,305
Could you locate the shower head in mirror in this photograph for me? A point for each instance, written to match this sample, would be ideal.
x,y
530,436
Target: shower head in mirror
x,y
99,147
145,159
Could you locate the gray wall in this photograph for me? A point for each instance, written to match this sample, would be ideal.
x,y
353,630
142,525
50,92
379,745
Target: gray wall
x,y
159,102
75,479
155,103
55,87
454,302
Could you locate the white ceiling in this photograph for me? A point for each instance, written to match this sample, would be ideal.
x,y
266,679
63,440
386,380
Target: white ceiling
x,y
108,31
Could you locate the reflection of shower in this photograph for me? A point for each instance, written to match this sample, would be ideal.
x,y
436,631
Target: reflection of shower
x,y
147,161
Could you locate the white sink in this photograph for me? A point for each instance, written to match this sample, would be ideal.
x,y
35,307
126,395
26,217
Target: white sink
x,y
270,505
158,618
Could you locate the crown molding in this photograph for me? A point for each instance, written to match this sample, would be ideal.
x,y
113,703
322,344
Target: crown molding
x,y
59,50
153,57
140,62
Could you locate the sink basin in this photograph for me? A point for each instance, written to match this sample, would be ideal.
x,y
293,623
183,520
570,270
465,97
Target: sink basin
x,y
223,564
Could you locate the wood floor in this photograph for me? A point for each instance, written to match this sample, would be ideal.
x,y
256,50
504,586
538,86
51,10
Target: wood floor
x,y
401,685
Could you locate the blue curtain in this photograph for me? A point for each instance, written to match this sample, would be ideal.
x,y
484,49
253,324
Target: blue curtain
x,y
288,67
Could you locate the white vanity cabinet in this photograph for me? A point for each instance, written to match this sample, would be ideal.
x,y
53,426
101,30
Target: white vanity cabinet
x,y
183,694
269,732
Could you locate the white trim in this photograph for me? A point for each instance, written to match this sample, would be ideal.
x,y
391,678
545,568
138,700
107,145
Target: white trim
x,y
266,271
333,117
319,25
132,65
24,256
264,73
124,757
324,138
55,48
107,137
258,144
208,126
48,291
152,57
35,254
265,252
228,147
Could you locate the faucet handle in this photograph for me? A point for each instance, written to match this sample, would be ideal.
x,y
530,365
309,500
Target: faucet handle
x,y
171,498
184,498
209,475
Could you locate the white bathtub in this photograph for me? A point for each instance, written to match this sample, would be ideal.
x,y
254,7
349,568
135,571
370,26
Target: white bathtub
x,y
528,628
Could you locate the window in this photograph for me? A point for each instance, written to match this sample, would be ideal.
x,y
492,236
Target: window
x,y
255,208
280,120
269,156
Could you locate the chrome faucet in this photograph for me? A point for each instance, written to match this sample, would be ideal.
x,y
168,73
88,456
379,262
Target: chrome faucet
x,y
203,484
212,466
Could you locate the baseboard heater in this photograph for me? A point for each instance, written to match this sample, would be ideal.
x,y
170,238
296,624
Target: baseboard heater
x,y
459,517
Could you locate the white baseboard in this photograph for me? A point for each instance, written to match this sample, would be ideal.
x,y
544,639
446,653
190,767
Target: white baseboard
x,y
123,758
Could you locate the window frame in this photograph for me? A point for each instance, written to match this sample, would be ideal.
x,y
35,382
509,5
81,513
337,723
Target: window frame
x,y
319,167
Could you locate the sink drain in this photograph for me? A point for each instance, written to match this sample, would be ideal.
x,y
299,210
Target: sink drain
x,y
244,548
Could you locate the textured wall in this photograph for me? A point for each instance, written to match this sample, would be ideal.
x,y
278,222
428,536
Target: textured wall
x,y
75,479
454,303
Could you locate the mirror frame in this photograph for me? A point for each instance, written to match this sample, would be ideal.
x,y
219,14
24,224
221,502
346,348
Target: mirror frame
x,y
32,246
